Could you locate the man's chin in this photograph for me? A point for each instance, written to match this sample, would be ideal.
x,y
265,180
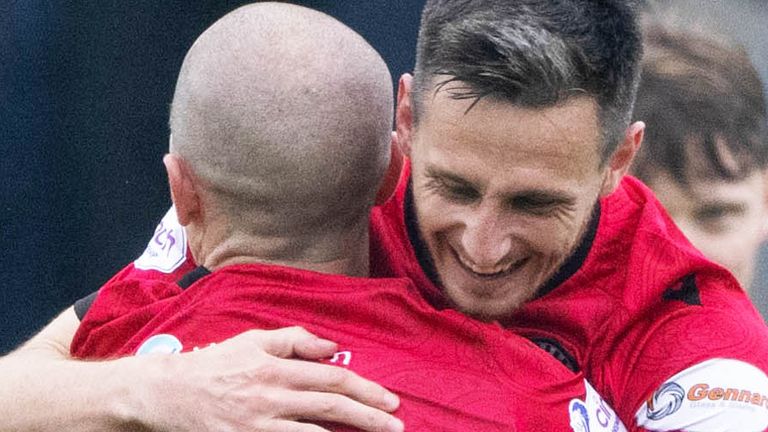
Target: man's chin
x,y
488,309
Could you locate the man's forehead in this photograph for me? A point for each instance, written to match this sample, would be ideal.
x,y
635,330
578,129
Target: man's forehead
x,y
448,100
518,187
570,127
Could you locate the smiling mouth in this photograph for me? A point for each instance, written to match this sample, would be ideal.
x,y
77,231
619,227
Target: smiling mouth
x,y
493,273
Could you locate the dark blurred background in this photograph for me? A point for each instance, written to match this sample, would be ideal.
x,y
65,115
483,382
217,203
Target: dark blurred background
x,y
85,88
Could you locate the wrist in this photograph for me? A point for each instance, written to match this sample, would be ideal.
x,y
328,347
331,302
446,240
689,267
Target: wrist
x,y
138,387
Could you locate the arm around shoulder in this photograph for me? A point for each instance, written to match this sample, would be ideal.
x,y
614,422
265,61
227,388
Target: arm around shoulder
x,y
249,382
42,388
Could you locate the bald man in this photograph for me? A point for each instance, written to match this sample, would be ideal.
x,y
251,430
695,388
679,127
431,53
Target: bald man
x,y
273,160
280,136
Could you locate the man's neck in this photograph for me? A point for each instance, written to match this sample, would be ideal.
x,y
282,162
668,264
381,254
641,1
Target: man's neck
x,y
337,254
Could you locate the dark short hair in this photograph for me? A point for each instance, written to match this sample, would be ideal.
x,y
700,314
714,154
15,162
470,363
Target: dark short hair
x,y
534,54
703,103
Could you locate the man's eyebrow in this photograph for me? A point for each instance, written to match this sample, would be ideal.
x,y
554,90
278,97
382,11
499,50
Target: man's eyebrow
x,y
531,196
442,175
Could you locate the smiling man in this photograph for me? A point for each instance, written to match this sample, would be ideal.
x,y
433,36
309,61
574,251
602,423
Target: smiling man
x,y
515,208
515,125
483,197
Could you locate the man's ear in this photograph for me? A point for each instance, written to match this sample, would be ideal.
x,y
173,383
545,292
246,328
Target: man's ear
x,y
622,158
392,175
183,186
404,114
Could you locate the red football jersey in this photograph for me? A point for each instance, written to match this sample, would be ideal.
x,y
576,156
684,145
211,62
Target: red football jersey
x,y
667,337
452,373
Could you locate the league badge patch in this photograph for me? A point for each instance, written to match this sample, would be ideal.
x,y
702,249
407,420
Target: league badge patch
x,y
167,249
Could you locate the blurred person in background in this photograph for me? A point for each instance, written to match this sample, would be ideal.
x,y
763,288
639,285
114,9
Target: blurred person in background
x,y
742,22
706,144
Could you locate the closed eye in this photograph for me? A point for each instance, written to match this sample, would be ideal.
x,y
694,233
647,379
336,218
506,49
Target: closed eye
x,y
454,192
719,210
716,218
540,203
452,188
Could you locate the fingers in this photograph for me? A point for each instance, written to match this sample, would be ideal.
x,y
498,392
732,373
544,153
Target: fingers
x,y
292,426
286,389
314,349
318,377
335,408
291,342
309,376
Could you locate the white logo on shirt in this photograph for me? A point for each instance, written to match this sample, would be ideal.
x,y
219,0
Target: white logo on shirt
x,y
342,356
716,395
593,414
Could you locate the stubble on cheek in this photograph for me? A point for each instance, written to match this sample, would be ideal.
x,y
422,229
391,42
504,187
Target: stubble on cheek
x,y
564,247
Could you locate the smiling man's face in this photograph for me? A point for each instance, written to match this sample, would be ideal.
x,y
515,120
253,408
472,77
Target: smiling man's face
x,y
503,194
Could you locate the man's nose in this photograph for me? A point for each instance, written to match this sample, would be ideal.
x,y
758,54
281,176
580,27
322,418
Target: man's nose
x,y
486,239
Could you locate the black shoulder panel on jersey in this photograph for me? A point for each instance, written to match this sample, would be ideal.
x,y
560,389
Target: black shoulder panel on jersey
x,y
685,291
557,351
192,277
84,304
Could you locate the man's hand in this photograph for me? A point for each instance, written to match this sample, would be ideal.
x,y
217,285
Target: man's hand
x,y
251,383
246,384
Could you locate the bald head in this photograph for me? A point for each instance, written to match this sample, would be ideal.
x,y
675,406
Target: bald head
x,y
284,115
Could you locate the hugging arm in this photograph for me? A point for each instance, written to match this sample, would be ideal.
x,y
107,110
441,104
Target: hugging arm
x,y
251,382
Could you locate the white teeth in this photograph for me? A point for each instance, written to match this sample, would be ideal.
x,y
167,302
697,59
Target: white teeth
x,y
486,271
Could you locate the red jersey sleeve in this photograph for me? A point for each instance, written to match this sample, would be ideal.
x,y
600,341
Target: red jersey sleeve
x,y
698,364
